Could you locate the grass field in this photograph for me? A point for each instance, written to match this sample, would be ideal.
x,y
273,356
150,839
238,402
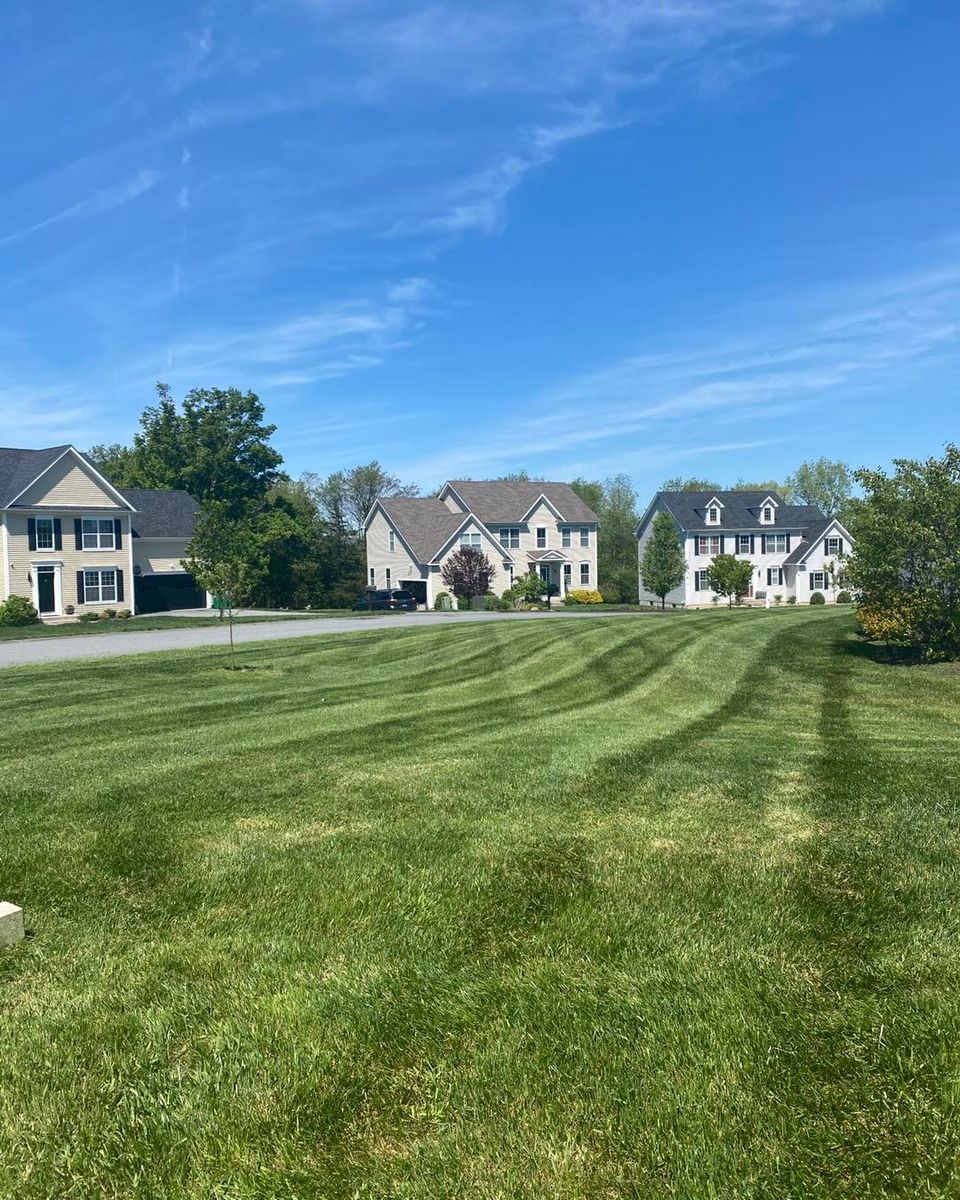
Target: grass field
x,y
592,909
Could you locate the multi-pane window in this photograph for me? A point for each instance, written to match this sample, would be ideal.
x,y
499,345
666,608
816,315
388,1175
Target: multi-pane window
x,y
775,576
541,538
386,576
584,573
818,581
565,536
713,515
373,577
472,541
834,545
99,587
766,515
510,537
700,581
584,537
774,543
392,538
44,533
567,574
743,543
98,535
708,543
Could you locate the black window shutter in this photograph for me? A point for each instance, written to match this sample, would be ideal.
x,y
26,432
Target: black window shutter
x,y
753,544
57,534
787,543
119,582
117,533
78,534
721,543
80,595
32,532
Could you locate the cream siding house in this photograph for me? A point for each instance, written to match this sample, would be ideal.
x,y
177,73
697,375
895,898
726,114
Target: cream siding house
x,y
521,526
795,550
70,540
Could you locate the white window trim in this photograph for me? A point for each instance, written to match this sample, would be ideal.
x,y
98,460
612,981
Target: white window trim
x,y
774,549
707,537
566,537
391,540
512,533
698,573
833,538
817,587
98,549
743,537
541,529
52,548
713,515
585,582
584,537
99,572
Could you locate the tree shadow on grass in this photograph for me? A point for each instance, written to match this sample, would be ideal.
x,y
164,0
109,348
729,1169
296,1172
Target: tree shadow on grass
x,y
879,652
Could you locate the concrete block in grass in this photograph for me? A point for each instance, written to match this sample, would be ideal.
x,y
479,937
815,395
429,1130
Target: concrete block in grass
x,y
11,924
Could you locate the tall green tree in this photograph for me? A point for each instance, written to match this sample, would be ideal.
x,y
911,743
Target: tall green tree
x,y
663,565
731,577
905,564
824,483
590,492
113,462
617,545
216,446
346,497
677,483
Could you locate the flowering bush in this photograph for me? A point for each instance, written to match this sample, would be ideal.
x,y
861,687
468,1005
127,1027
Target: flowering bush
x,y
583,596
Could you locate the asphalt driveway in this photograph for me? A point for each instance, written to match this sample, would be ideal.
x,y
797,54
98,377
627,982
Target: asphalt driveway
x,y
111,645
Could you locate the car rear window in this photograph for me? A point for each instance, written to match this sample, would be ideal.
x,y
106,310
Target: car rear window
x,y
403,595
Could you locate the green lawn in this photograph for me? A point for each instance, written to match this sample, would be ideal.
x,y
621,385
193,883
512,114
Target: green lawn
x,y
616,908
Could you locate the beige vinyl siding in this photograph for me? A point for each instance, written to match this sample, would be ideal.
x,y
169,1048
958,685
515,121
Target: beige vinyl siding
x,y
70,483
380,556
156,555
22,558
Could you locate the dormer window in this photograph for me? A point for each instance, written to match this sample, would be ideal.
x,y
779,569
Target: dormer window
x,y
766,515
713,515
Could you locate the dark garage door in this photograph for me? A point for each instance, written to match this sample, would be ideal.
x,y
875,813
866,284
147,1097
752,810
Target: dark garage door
x,y
160,593
418,587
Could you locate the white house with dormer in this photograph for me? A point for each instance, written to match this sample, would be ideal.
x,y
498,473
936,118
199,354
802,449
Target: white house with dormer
x,y
795,549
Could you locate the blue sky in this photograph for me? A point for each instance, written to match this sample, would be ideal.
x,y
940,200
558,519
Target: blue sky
x,y
709,237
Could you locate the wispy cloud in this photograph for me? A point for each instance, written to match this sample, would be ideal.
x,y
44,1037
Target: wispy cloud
x,y
103,201
819,348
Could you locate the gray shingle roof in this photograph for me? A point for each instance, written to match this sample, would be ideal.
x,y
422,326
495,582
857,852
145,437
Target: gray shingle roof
x,y
162,513
19,468
811,535
741,511
424,524
505,501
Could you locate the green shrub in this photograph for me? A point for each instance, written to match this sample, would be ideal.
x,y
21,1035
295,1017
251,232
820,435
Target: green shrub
x,y
124,614
17,610
107,614
844,598
87,617
778,599
791,599
463,604
817,598
492,603
442,602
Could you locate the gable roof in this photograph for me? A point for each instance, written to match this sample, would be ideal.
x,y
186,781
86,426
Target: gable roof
x,y
811,539
21,468
741,511
162,513
509,501
424,524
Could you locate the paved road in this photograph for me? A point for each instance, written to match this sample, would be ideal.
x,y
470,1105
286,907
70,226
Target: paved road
x,y
110,645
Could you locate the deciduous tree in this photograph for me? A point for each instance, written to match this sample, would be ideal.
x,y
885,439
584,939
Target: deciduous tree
x,y
663,565
905,564
822,482
468,572
227,559
731,577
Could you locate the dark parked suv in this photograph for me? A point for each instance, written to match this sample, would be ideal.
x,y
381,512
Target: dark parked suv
x,y
389,599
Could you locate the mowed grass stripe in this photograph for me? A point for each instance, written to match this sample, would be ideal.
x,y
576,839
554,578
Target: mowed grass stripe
x,y
590,909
